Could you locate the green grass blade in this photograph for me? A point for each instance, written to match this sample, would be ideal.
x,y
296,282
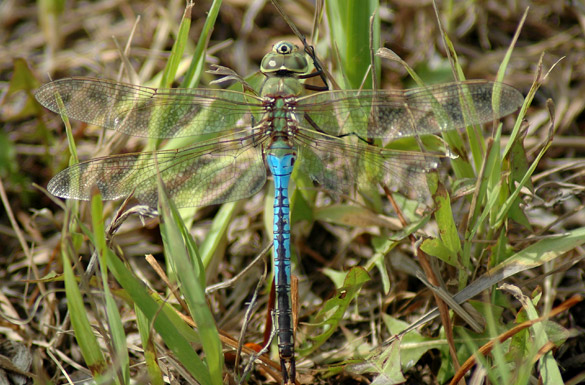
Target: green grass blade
x,y
486,195
217,232
88,344
70,139
461,167
193,75
167,323
155,375
122,360
350,25
507,206
549,369
192,278
500,78
172,65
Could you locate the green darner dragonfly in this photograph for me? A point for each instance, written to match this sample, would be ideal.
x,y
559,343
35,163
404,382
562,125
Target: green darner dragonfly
x,y
324,134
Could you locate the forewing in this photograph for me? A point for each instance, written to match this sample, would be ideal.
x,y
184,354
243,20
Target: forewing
x,y
149,112
397,113
213,172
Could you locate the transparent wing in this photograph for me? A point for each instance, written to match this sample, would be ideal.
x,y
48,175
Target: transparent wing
x,y
340,166
396,113
149,112
212,172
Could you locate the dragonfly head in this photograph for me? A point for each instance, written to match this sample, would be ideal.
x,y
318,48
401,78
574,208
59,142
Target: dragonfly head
x,y
284,59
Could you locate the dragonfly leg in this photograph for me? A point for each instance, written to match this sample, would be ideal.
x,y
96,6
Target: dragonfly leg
x,y
311,87
318,129
310,50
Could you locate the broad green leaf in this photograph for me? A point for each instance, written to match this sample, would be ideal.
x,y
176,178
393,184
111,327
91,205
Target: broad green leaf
x,y
413,345
449,246
333,310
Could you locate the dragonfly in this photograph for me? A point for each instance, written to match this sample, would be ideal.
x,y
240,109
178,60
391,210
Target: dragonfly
x,y
329,136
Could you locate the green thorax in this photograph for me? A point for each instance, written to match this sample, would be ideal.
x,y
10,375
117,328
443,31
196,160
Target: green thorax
x,y
282,67
280,123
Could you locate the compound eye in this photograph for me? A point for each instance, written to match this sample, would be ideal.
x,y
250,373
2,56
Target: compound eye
x,y
284,48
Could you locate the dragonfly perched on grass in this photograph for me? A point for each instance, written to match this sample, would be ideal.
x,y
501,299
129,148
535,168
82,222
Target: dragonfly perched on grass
x,y
324,134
